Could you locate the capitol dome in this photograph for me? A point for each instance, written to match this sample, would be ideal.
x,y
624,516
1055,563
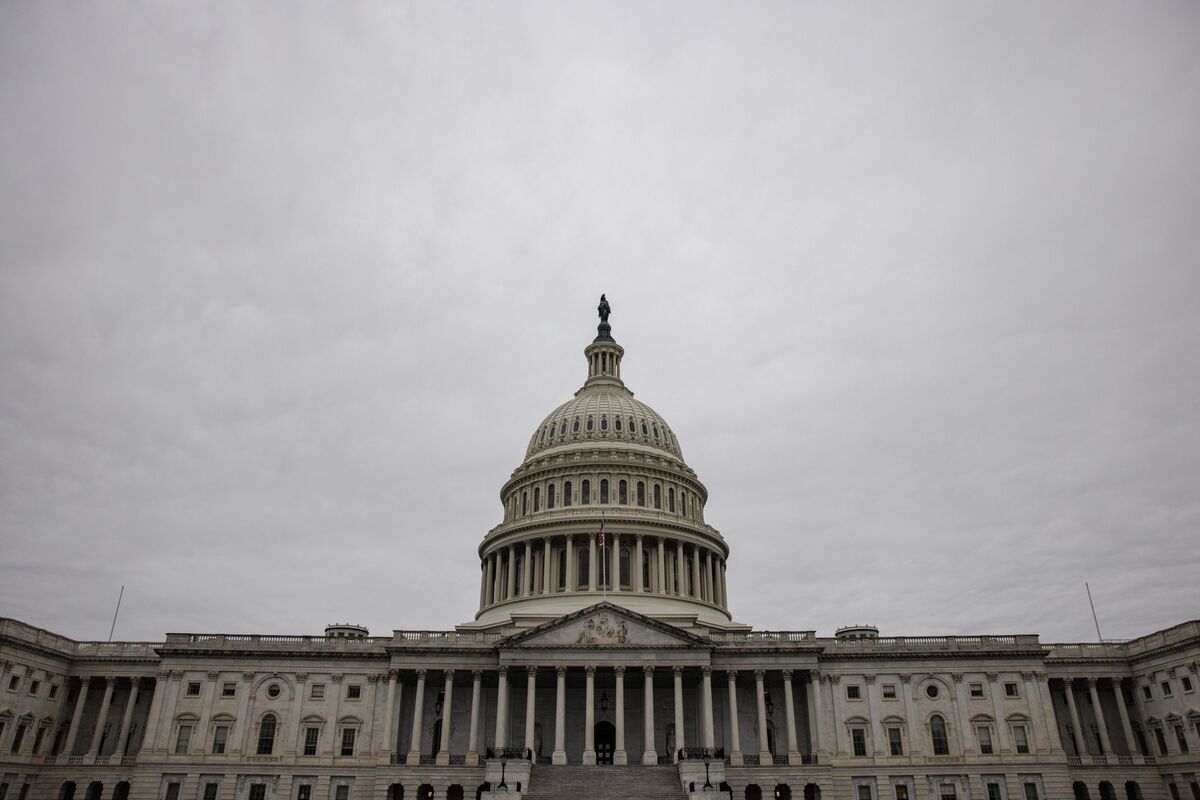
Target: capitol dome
x,y
603,459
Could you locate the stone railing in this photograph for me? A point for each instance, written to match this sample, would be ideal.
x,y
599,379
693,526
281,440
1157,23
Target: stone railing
x,y
1129,648
21,632
228,641
761,637
616,514
450,637
934,643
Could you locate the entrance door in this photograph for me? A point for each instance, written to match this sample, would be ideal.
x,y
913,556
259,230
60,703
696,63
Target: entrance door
x,y
606,742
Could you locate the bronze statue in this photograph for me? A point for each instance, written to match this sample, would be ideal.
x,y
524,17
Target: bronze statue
x,y
603,309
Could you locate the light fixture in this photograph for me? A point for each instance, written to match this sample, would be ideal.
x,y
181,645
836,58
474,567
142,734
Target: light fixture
x,y
437,707
770,705
604,702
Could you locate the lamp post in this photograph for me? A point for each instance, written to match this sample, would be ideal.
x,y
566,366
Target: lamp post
x,y
707,781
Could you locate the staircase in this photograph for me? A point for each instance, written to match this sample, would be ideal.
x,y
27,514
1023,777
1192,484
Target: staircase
x,y
569,782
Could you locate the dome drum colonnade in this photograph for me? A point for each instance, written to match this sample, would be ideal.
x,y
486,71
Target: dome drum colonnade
x,y
603,451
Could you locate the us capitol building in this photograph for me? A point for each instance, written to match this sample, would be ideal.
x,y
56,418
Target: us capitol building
x,y
589,671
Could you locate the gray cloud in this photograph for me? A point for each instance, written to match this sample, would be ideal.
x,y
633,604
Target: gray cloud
x,y
283,294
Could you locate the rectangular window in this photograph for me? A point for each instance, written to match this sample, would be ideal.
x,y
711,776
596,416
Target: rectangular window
x,y
228,689
985,739
1031,792
183,738
864,792
53,691
317,692
1162,741
1187,683
210,791
1147,693
21,795
37,740
342,792
895,742
1174,791
193,689
1183,745
858,738
220,736
901,791
14,682
948,792
889,691
853,692
348,741
258,791
977,690
311,735
1166,688
3,790
17,737
1021,738
993,792
304,792
353,691
1011,690
35,685
173,790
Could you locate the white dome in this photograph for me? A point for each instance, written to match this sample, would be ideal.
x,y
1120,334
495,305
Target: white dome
x,y
600,414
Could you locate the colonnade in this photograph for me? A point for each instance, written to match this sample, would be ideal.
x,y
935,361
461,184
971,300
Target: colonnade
x,y
1100,745
99,746
655,565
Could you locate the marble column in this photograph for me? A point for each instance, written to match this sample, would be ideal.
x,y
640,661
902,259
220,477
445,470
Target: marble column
x,y
662,566
639,567
127,719
569,578
614,569
589,718
1105,741
789,702
1077,728
1126,727
619,756
1037,686
696,572
680,566
156,704
706,708
560,717
530,699
593,565
649,754
473,735
527,572
414,743
710,583
816,736
546,556
735,739
679,737
497,576
483,581
443,756
502,709
764,754
511,590
102,717
994,690
389,730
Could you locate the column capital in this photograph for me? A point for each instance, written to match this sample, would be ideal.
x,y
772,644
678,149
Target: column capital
x,y
503,671
448,674
477,674
870,678
531,669
1171,672
814,675
177,674
212,676
393,675
619,669
648,672
302,677
164,675
834,680
731,675
560,671
1090,683
993,677
787,676
706,671
759,674
420,674
678,671
337,677
246,676
110,680
1029,676
590,669
957,677
906,677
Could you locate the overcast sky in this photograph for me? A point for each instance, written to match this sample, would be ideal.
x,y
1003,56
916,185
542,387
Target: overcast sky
x,y
285,291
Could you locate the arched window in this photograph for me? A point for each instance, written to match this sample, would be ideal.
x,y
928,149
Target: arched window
x,y
753,792
590,423
67,792
683,502
671,500
656,433
542,438
567,493
622,493
524,503
783,791
537,498
624,567
604,491
657,496
550,492
575,426
617,422
645,432
266,735
641,493
1107,792
1133,791
937,733
562,429
586,492
632,427
604,422
581,573
1081,791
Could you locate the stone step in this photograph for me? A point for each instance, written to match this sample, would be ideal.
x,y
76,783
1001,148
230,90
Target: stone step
x,y
604,782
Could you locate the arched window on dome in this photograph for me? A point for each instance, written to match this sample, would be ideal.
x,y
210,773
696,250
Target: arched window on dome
x,y
604,492
562,429
575,426
581,572
566,494
671,500
537,498
645,432
623,493
641,494
591,421
604,422
937,733
683,502
524,503
624,568
542,438
658,497
550,492
585,492
617,423
632,427
656,433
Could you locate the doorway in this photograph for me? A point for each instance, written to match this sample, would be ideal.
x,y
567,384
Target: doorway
x,y
606,742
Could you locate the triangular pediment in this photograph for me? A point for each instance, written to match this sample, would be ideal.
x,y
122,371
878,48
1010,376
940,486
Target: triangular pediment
x,y
605,625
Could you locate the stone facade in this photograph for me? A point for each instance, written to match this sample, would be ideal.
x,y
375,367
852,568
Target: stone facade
x,y
580,654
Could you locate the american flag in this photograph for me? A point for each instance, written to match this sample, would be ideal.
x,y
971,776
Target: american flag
x,y
601,537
